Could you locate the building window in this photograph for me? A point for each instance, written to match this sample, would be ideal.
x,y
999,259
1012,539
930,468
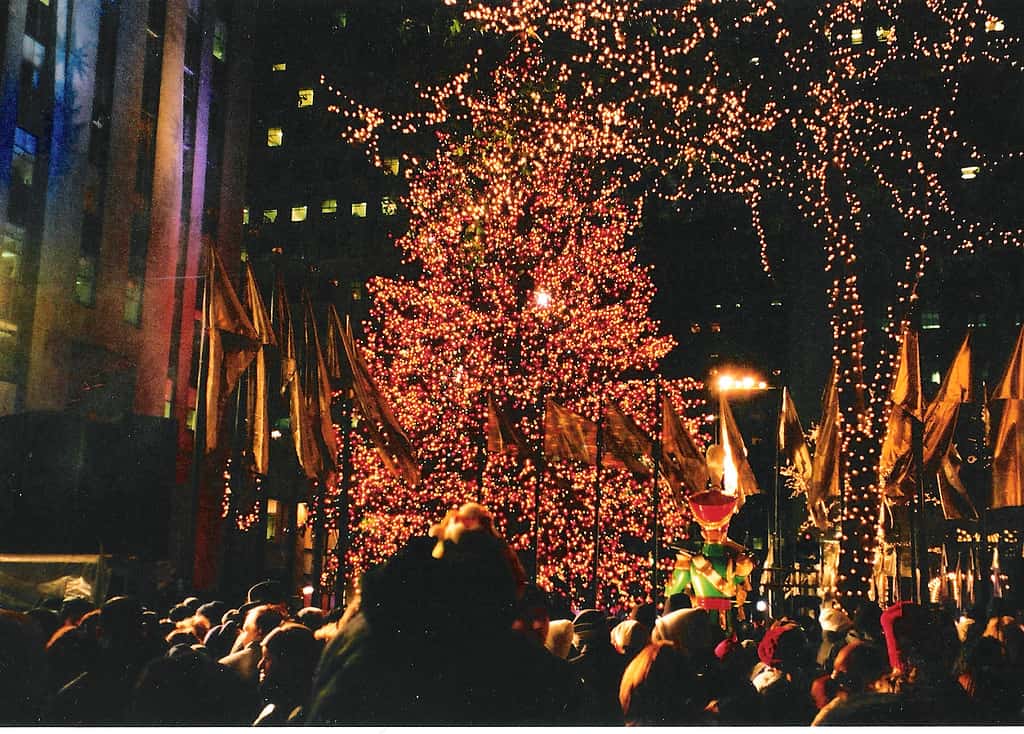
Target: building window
x,y
269,216
279,66
275,136
272,518
33,54
220,39
930,320
88,260
23,162
388,206
305,98
359,209
357,290
137,250
245,215
329,206
856,36
391,166
299,213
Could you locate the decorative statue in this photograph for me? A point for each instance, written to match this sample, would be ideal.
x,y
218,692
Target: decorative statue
x,y
715,577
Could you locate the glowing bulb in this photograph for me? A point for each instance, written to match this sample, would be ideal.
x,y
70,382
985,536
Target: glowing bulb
x,y
542,298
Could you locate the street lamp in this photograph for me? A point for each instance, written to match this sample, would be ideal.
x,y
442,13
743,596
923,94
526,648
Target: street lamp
x,y
729,382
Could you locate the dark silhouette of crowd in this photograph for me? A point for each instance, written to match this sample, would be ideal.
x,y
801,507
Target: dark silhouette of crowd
x,y
448,631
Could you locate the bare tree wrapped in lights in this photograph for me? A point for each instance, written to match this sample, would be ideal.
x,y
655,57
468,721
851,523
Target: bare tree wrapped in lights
x,y
527,291
848,108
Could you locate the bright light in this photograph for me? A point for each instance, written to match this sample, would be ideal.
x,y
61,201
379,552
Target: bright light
x,y
994,24
730,383
542,298
275,434
762,605
969,172
307,590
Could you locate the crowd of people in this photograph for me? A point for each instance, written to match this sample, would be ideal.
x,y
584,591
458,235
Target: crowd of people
x,y
448,631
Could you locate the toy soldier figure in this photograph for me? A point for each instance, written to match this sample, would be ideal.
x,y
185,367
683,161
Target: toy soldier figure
x,y
715,577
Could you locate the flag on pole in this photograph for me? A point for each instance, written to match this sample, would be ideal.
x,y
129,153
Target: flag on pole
x,y
256,398
306,450
682,463
956,502
502,436
738,478
907,407
1008,454
233,344
337,364
568,436
825,467
626,446
317,388
387,435
792,445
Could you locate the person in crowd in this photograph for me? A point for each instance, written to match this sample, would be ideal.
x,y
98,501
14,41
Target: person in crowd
x,y
559,638
695,631
22,669
47,619
101,694
835,625
187,688
599,665
211,613
432,643
785,683
734,700
311,617
289,655
661,687
985,674
532,617
860,669
258,624
629,637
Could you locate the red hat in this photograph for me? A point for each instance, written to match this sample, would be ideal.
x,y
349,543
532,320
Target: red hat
x,y
906,627
783,646
712,508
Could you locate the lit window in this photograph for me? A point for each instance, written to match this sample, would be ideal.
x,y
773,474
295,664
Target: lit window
x,y
969,172
359,209
856,36
329,206
388,206
23,162
994,24
133,301
930,320
305,98
357,290
390,166
936,378
694,328
715,327
279,66
270,216
220,35
32,51
299,213
885,35
272,519
275,136
245,215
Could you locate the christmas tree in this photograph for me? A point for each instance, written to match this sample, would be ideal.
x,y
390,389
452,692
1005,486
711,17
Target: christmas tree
x,y
527,291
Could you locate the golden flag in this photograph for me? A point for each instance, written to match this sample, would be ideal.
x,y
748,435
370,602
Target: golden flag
x,y
1011,387
256,397
907,406
1008,457
825,467
956,502
502,436
387,435
335,359
792,444
625,445
232,344
568,436
682,463
738,478
306,450
317,388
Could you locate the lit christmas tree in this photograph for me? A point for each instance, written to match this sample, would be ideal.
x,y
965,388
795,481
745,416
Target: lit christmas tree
x,y
852,109
528,291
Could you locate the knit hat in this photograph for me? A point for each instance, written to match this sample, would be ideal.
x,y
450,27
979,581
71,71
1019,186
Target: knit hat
x,y
590,625
559,640
783,647
630,637
906,627
689,628
834,619
726,646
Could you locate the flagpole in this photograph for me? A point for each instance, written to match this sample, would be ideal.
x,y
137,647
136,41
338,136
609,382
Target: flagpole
x,y
341,547
656,450
597,502
187,560
776,534
536,487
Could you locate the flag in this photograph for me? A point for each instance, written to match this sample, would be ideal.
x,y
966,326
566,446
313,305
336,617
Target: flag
x,y
939,422
907,407
306,450
625,445
825,468
792,445
997,574
502,436
317,388
232,344
1008,453
387,435
682,463
335,356
256,398
738,478
956,502
567,436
